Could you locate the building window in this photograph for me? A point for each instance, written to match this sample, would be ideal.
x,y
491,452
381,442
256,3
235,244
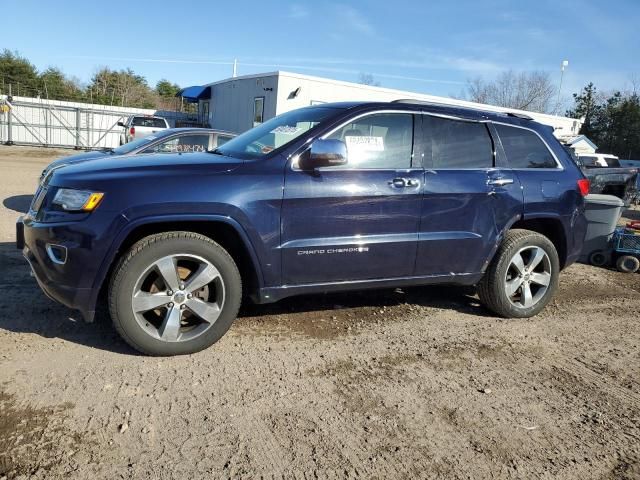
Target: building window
x,y
258,111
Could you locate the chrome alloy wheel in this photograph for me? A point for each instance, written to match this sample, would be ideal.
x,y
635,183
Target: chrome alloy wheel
x,y
528,277
178,297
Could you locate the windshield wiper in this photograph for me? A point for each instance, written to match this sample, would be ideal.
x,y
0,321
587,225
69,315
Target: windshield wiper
x,y
217,151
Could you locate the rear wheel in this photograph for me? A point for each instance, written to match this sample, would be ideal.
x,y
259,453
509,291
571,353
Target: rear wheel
x,y
628,264
522,277
174,293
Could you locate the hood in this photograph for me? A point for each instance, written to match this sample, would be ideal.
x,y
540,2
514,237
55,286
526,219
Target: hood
x,y
140,168
81,157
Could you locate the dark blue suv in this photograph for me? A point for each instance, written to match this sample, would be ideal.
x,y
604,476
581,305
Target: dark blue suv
x,y
325,198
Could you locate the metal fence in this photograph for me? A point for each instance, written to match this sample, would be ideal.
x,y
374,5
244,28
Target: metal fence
x,y
34,121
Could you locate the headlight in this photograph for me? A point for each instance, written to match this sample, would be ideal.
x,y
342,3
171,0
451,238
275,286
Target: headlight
x,y
77,200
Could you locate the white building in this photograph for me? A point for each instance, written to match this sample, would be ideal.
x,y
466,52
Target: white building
x,y
580,145
239,103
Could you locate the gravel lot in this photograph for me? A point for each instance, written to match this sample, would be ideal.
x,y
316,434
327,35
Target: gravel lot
x,y
411,383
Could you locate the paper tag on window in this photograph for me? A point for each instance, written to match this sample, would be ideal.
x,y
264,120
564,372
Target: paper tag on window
x,y
286,130
364,143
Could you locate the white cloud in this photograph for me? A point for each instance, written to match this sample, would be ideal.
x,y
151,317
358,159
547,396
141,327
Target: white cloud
x,y
354,19
298,11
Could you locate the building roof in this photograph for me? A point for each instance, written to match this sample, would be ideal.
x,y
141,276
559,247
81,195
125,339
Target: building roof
x,y
566,124
573,139
195,93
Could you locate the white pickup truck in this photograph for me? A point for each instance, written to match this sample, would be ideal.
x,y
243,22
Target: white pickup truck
x,y
138,126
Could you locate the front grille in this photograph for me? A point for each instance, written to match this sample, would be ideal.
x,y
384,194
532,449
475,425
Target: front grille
x,y
38,199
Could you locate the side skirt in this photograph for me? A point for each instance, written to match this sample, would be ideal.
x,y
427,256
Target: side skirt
x,y
273,294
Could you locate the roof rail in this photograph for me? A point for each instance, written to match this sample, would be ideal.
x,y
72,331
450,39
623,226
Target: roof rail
x,y
412,101
524,116
416,102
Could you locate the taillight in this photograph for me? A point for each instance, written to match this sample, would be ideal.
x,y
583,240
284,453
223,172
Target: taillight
x,y
583,186
132,130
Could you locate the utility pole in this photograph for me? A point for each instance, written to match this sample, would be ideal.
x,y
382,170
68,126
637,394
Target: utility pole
x,y
563,65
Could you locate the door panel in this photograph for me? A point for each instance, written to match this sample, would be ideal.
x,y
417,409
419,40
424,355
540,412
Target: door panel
x,y
343,224
348,225
466,200
457,224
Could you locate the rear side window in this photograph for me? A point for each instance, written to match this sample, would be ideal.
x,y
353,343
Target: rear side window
x,y
524,148
222,139
148,122
456,144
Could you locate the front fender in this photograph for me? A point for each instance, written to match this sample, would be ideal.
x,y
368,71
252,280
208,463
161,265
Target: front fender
x,y
130,226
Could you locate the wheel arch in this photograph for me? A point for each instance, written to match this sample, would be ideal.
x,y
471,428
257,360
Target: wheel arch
x,y
222,229
550,227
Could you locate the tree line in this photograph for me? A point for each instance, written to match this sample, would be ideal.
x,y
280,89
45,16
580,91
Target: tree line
x,y
612,120
123,88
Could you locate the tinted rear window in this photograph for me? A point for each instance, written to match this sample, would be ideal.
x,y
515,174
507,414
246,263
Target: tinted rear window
x,y
524,148
612,162
456,144
148,122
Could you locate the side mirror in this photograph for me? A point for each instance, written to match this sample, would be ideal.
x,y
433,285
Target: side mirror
x,y
121,124
324,153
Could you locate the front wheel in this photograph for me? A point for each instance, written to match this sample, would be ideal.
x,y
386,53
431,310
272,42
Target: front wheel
x,y
522,277
174,293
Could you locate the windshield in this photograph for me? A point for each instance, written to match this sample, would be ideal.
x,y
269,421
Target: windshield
x,y
131,146
275,133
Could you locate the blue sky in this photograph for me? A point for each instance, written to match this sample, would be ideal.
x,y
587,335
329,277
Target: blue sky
x,y
424,46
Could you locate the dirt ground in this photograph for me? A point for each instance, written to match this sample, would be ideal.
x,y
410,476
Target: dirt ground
x,y
411,383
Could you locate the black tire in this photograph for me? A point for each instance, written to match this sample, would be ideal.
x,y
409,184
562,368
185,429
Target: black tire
x,y
139,258
598,258
628,264
492,288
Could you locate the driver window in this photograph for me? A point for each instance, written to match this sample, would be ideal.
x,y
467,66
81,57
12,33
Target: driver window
x,y
184,144
382,141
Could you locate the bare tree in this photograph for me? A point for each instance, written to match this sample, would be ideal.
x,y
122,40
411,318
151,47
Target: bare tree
x,y
367,79
533,91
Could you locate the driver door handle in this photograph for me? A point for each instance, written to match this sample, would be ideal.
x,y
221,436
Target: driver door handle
x,y
500,182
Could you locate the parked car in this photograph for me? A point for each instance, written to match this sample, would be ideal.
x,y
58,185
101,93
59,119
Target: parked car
x,y
171,140
595,160
608,177
326,198
138,126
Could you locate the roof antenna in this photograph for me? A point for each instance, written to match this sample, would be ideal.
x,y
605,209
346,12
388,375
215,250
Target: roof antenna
x,y
235,68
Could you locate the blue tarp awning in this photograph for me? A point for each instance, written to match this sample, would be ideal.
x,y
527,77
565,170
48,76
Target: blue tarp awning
x,y
195,93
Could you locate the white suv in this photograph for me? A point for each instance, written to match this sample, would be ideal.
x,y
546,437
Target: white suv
x,y
138,126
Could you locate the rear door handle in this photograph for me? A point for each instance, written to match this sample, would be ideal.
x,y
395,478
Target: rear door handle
x,y
499,182
400,182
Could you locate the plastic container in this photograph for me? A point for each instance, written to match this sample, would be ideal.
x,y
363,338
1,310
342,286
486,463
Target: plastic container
x,y
603,213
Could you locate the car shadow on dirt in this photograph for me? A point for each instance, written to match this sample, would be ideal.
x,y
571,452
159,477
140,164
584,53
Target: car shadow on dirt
x,y
18,203
25,309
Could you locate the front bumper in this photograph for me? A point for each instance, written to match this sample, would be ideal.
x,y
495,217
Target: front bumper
x,y
75,282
